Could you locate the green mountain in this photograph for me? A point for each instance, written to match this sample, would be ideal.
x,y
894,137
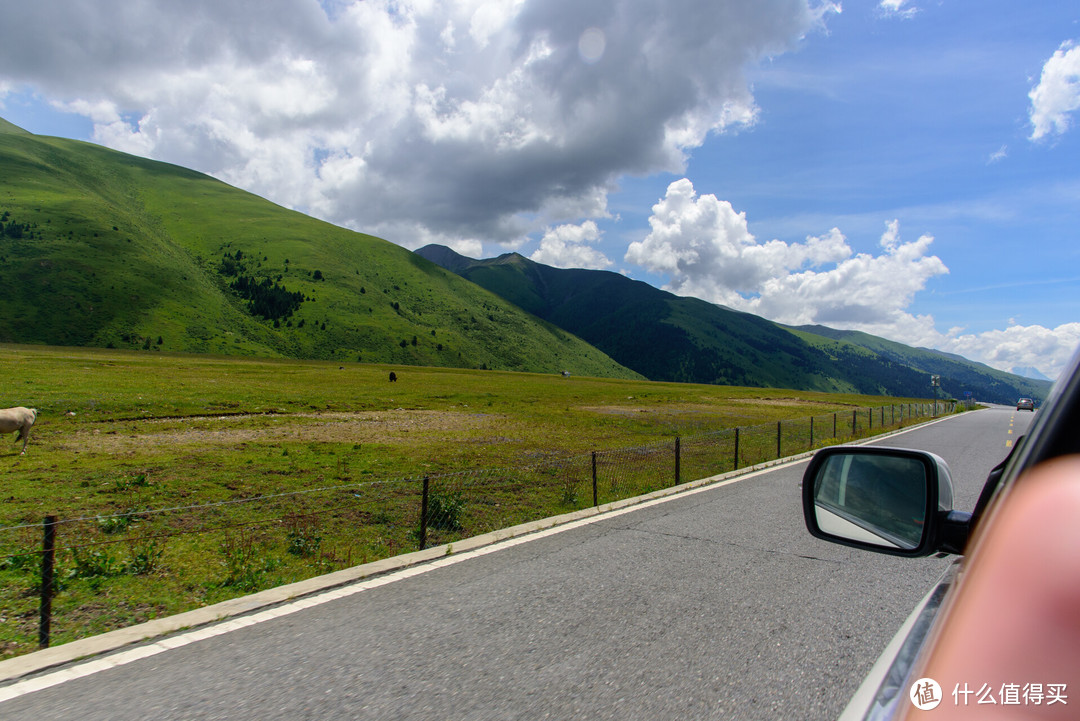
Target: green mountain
x,y
958,374
671,338
100,248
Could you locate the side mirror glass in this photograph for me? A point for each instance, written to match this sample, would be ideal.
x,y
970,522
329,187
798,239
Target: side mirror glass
x,y
883,499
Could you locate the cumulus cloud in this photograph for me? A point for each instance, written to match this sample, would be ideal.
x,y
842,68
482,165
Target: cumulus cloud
x,y
1047,349
567,246
1058,93
467,121
706,249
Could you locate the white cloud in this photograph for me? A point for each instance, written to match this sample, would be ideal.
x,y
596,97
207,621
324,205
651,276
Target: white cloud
x,y
998,155
490,18
1048,349
470,122
898,8
567,246
463,120
1057,94
707,251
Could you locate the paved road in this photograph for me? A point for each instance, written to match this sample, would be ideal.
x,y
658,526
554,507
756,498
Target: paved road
x,y
710,606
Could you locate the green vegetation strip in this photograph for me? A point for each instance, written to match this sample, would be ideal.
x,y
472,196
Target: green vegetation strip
x,y
180,481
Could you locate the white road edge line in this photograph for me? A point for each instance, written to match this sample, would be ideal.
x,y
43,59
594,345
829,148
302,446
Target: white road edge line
x,y
123,658
55,678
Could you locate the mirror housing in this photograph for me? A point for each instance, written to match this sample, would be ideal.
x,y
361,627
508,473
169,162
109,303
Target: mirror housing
x,y
887,500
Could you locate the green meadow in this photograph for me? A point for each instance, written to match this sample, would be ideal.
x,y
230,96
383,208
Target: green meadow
x,y
313,466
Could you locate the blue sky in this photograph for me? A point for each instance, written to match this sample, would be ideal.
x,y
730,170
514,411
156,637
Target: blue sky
x,y
924,119
908,167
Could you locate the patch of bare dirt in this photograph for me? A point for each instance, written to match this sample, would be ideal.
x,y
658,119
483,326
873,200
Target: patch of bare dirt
x,y
793,402
664,410
328,427
623,410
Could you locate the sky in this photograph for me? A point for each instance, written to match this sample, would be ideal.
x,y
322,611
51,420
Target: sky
x,y
907,168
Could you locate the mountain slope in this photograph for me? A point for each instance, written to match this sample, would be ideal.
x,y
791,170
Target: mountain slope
x,y
672,338
958,374
106,249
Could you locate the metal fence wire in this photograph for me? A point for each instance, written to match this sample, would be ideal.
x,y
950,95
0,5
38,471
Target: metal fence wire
x,y
321,529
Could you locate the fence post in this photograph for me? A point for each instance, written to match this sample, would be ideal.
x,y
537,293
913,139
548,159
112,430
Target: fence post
x,y
778,436
811,432
678,460
854,421
595,500
834,426
736,448
870,419
47,557
423,513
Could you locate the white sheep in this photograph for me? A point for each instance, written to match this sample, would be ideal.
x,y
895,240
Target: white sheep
x,y
18,419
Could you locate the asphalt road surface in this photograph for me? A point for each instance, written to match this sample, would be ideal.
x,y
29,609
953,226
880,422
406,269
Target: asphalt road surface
x,y
712,605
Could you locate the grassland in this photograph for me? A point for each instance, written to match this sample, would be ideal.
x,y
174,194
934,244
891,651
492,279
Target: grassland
x,y
124,433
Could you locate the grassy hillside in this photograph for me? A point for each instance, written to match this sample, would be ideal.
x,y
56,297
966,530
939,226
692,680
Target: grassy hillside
x,y
100,248
6,127
670,338
660,335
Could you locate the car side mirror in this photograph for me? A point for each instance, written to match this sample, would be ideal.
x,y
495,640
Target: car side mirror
x,y
889,500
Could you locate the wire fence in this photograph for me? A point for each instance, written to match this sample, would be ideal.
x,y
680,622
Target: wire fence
x,y
244,544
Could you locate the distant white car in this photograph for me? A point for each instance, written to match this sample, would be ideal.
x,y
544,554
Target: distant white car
x,y
1025,404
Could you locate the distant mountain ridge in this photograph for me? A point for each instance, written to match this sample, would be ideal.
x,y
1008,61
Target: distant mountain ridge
x,y
1029,372
996,385
666,337
101,248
